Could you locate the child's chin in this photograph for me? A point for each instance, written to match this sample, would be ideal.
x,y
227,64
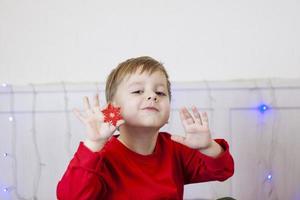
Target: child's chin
x,y
146,122
152,125
145,125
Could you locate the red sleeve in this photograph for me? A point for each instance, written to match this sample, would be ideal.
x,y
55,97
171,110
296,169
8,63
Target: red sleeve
x,y
199,167
82,179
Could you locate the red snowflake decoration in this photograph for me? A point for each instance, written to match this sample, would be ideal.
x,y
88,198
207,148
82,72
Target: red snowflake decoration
x,y
112,114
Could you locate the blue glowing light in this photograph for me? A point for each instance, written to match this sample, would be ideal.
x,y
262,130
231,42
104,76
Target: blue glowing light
x,y
263,108
269,177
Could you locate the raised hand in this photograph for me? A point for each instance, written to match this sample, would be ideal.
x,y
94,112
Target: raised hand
x,y
97,131
197,133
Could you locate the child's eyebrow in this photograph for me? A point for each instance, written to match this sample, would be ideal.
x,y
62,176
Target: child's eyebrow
x,y
142,82
136,83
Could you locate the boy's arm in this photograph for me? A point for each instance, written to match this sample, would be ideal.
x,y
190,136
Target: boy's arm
x,y
204,159
200,167
82,179
213,150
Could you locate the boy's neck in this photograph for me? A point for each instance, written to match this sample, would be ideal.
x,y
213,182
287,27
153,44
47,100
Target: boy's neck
x,y
139,140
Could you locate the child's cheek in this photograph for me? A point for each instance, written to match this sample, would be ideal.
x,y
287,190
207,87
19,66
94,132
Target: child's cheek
x,y
127,113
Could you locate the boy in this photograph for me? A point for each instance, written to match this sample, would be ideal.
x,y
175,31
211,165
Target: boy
x,y
141,162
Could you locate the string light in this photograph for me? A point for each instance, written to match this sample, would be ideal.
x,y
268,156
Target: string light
x,y
5,154
8,189
4,84
263,108
269,177
11,119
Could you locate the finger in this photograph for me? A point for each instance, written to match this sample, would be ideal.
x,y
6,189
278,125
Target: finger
x,y
196,115
120,122
96,109
186,123
99,115
96,101
111,127
86,105
178,139
183,121
186,116
78,114
204,119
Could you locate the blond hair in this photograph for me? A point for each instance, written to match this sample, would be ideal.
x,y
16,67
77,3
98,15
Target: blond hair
x,y
130,66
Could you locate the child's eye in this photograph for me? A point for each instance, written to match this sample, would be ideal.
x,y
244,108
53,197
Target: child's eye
x,y
161,93
138,92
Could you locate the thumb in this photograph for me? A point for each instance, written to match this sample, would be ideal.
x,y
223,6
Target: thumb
x,y
77,113
178,139
120,122
113,128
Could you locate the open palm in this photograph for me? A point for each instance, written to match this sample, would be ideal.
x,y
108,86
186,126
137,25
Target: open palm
x,y
93,119
197,133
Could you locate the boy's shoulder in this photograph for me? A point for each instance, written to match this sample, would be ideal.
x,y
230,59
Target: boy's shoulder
x,y
165,136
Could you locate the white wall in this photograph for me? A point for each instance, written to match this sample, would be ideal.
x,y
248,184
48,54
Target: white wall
x,y
43,136
76,40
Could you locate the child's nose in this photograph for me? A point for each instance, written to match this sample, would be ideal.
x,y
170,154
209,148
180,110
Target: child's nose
x,y
153,97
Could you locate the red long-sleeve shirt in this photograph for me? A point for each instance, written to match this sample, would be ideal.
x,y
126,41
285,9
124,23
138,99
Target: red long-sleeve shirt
x,y
118,173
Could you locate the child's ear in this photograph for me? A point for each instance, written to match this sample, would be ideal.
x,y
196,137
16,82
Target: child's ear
x,y
114,102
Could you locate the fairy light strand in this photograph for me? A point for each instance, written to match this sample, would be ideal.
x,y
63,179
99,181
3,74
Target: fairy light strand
x,y
273,141
35,144
67,120
211,101
13,188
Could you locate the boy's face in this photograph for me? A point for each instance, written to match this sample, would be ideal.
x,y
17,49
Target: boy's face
x,y
144,99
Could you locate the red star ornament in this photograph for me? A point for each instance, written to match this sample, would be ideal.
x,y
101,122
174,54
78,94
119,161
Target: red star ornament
x,y
112,114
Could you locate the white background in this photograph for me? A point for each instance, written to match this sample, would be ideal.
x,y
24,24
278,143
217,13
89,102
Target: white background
x,y
75,40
